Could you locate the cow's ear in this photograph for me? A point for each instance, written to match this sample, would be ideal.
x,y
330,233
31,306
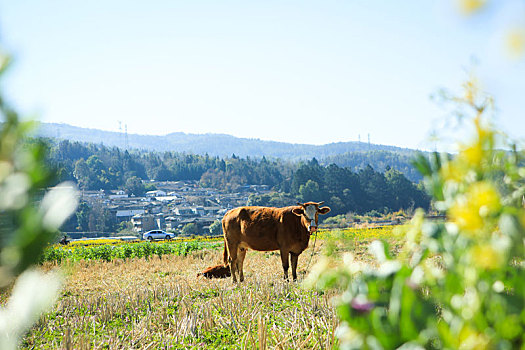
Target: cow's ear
x,y
324,210
298,211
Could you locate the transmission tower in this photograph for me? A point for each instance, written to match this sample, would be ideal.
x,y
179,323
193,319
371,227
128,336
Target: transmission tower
x,y
120,141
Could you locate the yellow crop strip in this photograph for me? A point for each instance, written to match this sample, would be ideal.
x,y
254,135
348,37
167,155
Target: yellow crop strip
x,y
97,242
383,232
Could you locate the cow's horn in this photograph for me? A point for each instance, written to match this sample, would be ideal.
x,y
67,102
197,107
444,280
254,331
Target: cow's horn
x,y
301,204
320,203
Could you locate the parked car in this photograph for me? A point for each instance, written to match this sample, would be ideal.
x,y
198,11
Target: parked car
x,y
157,234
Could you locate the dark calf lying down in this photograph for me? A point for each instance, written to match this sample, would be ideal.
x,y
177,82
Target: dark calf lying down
x,y
219,271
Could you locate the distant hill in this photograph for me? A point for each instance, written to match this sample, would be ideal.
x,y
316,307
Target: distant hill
x,y
213,144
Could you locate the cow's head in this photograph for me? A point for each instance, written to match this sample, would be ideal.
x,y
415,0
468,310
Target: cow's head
x,y
309,212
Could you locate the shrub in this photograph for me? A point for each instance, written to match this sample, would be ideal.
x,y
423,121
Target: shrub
x,y
190,229
458,283
374,214
216,228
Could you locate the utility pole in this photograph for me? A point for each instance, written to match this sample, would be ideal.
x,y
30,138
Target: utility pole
x,y
126,135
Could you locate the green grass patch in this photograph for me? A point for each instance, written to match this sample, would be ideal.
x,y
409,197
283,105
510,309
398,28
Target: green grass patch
x,y
109,252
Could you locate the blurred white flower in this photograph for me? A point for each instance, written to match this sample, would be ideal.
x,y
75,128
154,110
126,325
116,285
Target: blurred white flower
x,y
456,301
33,293
388,268
498,287
410,346
471,303
13,191
351,264
377,249
418,275
58,204
350,338
315,273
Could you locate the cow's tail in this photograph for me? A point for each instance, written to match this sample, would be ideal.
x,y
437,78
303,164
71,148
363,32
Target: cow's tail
x,y
225,253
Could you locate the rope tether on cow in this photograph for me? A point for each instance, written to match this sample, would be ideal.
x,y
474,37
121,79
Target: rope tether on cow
x,y
311,255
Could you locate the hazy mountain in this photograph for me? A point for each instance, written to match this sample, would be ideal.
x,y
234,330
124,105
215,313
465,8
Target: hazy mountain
x,y
213,144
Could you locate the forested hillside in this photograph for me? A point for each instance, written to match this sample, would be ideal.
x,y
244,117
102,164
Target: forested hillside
x,y
96,167
212,144
381,160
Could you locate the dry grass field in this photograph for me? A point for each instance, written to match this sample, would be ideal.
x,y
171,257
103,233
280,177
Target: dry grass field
x,y
161,304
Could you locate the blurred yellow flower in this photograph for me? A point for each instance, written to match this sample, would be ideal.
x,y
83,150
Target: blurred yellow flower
x,y
485,197
466,217
516,42
469,338
452,171
469,211
472,155
470,6
485,134
486,257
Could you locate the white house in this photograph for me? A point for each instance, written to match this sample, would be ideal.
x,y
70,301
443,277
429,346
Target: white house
x,y
118,194
124,214
156,193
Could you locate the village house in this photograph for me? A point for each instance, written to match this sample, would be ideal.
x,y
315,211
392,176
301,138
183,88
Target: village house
x,y
183,211
127,214
117,194
146,222
172,222
85,194
156,193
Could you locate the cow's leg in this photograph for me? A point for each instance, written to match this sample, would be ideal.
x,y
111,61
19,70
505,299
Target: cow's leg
x,y
240,261
284,260
293,259
232,259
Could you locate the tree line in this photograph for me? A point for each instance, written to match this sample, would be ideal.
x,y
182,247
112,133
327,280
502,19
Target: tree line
x,y
346,191
95,167
381,160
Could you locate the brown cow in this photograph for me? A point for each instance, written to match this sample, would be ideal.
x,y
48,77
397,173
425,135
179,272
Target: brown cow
x,y
218,271
261,228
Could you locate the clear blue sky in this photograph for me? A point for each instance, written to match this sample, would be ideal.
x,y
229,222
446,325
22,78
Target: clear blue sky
x,y
295,71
